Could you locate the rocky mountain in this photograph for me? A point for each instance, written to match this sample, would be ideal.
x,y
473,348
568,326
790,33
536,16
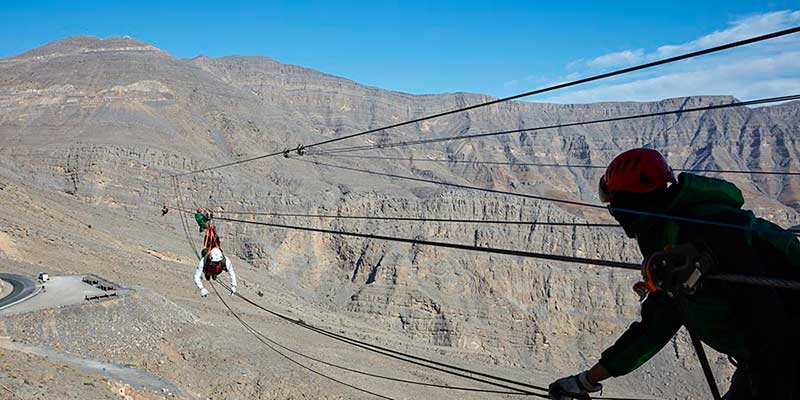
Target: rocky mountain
x,y
91,128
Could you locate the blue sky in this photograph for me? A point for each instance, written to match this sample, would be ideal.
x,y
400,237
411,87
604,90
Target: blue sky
x,y
498,48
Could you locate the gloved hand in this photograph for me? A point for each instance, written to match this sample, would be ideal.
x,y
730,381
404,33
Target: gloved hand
x,y
203,292
233,290
573,387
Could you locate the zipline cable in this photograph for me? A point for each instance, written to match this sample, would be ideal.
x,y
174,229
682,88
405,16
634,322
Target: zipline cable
x,y
299,364
574,82
184,224
355,371
554,126
735,278
554,200
458,246
526,94
415,219
550,165
419,361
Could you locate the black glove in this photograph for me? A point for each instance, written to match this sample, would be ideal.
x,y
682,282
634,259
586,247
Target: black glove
x,y
573,387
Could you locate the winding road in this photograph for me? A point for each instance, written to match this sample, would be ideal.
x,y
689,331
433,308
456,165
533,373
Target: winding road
x,y
23,288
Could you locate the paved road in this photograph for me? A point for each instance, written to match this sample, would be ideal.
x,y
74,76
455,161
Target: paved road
x,y
61,291
23,287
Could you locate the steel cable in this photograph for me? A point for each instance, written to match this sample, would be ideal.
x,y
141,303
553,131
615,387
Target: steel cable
x,y
554,126
555,200
551,165
414,219
734,278
389,378
301,365
526,94
415,360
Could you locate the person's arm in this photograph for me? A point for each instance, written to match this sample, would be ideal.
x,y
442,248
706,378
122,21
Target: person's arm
x,y
643,339
229,267
638,344
197,274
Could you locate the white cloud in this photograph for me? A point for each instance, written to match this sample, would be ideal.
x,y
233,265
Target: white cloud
x,y
764,69
618,59
744,78
740,29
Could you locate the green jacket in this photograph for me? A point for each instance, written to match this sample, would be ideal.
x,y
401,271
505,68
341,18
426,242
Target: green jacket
x,y
201,219
747,322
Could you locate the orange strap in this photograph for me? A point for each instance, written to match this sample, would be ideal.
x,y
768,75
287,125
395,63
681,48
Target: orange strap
x,y
211,239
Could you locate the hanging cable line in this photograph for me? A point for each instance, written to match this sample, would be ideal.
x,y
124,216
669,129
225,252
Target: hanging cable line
x,y
554,126
184,224
299,364
493,250
736,278
574,82
415,219
555,200
521,95
412,359
257,333
550,165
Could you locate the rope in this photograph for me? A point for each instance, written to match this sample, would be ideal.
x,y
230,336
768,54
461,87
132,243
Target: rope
x,y
555,126
553,165
573,83
493,250
555,200
414,360
389,378
183,220
397,355
748,279
757,280
521,95
252,331
415,219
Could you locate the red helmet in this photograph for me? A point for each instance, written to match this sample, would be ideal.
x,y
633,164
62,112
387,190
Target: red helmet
x,y
199,209
635,171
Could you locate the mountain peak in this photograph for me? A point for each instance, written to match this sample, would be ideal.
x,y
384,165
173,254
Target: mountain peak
x,y
88,44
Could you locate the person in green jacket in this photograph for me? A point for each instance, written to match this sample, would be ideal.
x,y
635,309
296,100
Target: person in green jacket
x,y
758,327
201,218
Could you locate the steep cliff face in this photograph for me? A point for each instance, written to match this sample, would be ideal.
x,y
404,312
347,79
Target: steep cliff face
x,y
107,120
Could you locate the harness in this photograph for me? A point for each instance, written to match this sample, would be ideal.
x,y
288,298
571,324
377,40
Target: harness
x,y
211,240
679,271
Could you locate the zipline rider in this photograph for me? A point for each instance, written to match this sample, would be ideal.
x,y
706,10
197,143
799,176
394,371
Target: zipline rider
x,y
757,327
210,266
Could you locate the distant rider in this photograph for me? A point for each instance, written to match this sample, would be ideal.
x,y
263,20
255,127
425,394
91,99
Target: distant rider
x,y
757,326
202,219
211,266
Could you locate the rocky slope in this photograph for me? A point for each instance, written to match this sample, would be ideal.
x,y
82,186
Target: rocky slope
x,y
98,124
